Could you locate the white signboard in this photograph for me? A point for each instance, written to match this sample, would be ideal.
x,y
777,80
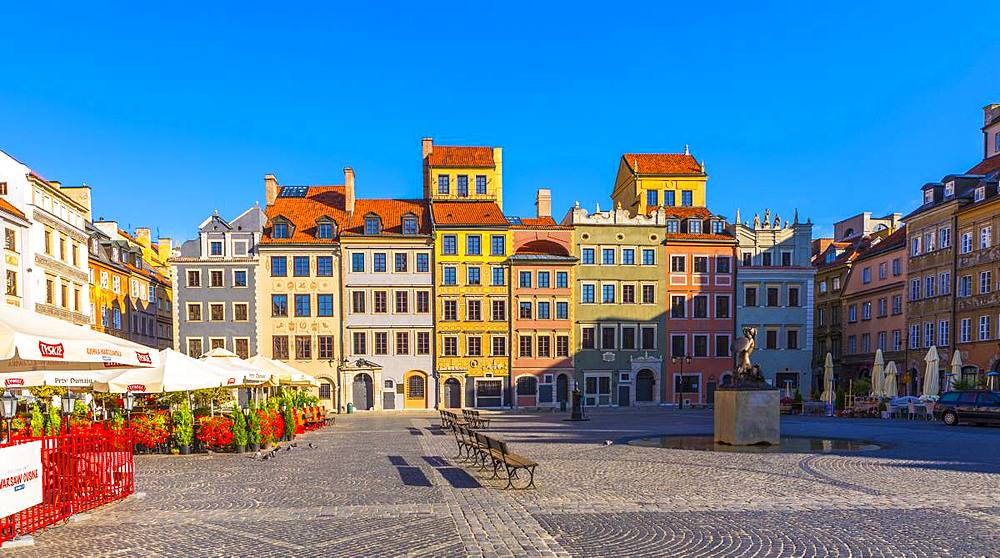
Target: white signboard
x,y
20,477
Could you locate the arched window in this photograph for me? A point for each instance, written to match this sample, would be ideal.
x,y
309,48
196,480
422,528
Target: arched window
x,y
527,385
415,387
373,225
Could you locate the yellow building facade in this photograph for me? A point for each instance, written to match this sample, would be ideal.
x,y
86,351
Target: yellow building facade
x,y
649,180
472,314
457,173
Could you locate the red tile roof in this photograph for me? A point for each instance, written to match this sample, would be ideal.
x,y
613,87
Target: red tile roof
x,y
538,223
391,212
467,213
986,166
662,163
461,156
6,206
303,212
703,236
681,212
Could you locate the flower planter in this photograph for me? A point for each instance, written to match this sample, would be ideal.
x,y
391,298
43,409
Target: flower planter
x,y
185,450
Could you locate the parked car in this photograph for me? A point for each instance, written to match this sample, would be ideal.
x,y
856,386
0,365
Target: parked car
x,y
968,406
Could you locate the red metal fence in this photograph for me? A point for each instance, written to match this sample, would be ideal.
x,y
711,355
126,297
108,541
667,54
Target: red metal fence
x,y
80,471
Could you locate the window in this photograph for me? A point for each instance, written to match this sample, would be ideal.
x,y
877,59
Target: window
x,y
543,310
897,340
964,286
325,343
772,296
944,237
687,198
324,305
214,279
358,262
193,312
607,294
587,338
652,197
944,283
324,266
678,306
628,256
694,226
423,343
966,246
699,306
722,264
378,262
215,248
450,276
673,226
381,343
239,279
771,339
915,246
897,305
587,256
12,284
700,348
481,184
498,245
628,294
793,296
360,343
410,225
524,346
747,259
883,307
216,312
984,328
562,346
562,279
562,310
964,332
117,315
524,310
380,302
302,304
303,347
678,346
852,313
279,266
524,279
279,305
443,186
677,264
648,338
722,311
499,310
450,346
193,278
449,310
324,230
718,227
721,345
914,336
669,198
766,258
402,302
116,286
786,259
423,263
241,312
462,186
279,347
449,245
648,294
750,296
985,278
792,339
866,275
985,237
472,275
473,245
498,277
701,264
628,338
608,256
358,302
194,347
543,279
929,286
608,337
499,346
423,302
587,294
402,343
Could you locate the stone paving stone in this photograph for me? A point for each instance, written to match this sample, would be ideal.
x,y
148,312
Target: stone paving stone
x,y
374,488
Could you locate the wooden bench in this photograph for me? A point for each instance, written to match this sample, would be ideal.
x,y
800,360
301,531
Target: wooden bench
x,y
449,420
490,452
473,417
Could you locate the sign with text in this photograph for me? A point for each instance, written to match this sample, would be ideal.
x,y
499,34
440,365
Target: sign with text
x,y
20,477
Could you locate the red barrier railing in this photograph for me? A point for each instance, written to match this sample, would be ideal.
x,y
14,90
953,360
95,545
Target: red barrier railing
x,y
80,471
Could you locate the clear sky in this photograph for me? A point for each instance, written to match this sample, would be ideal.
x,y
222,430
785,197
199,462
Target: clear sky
x,y
174,111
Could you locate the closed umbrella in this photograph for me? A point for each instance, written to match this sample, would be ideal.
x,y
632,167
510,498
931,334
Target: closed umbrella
x,y
931,387
828,396
956,370
889,389
878,379
991,379
175,372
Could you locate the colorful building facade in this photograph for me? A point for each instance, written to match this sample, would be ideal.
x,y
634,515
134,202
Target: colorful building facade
x,y
646,181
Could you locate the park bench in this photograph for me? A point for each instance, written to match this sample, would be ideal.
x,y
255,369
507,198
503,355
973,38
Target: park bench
x,y
490,452
474,418
449,420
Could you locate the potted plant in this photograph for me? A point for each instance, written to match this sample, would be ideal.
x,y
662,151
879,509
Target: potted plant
x,y
883,409
215,432
54,421
253,428
239,430
183,429
37,421
289,422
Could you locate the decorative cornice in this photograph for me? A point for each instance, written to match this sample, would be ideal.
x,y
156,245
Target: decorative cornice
x,y
61,268
45,218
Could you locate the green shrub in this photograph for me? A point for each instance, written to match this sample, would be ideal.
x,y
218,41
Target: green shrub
x,y
253,425
183,431
117,420
239,428
289,422
53,422
37,421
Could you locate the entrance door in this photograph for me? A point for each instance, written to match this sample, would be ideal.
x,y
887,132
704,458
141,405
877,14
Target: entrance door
x,y
644,382
452,394
527,391
562,388
363,392
489,393
624,394
597,390
416,390
711,393
388,400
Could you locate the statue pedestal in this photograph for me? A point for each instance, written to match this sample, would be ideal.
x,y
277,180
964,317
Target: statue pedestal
x,y
747,417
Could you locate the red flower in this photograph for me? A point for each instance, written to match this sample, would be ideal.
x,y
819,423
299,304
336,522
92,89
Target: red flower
x,y
216,432
151,428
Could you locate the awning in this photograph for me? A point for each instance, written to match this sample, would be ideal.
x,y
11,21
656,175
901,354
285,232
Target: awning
x,y
176,372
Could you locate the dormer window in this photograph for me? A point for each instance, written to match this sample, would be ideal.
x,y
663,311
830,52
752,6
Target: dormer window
x,y
373,225
410,224
324,230
717,226
673,226
928,196
949,188
280,230
980,193
694,226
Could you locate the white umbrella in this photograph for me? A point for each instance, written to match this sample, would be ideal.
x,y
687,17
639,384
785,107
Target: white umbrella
x,y
956,369
237,371
58,378
176,372
931,373
878,379
889,389
828,396
31,342
284,373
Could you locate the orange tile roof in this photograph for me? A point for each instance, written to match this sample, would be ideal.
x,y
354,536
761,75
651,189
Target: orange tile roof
x,y
538,223
303,212
702,236
6,206
467,213
662,163
461,156
682,212
986,166
391,212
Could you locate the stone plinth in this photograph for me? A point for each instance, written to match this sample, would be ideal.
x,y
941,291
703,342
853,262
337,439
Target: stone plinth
x,y
747,417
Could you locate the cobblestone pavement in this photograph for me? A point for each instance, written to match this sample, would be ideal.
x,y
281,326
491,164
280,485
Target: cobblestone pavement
x,y
387,485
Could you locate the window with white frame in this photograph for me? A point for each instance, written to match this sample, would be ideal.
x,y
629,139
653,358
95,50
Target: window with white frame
x,y
985,237
964,330
984,328
966,245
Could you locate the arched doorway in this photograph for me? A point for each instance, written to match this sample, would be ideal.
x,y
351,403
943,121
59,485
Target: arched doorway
x,y
562,388
327,393
452,394
363,392
415,390
644,382
527,391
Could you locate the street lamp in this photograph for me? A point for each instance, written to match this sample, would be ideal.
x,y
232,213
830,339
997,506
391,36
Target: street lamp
x,y
68,401
9,409
128,401
680,378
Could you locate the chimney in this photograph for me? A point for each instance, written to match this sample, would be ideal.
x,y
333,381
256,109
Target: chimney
x,y
144,236
81,195
110,228
543,203
163,248
348,189
428,146
270,189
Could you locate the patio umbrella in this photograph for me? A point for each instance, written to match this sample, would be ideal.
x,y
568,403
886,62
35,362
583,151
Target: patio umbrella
x,y
33,342
991,379
828,396
931,387
878,378
956,369
176,372
58,378
889,389
284,373
237,371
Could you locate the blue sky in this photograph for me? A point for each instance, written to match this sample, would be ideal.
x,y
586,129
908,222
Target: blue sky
x,y
174,111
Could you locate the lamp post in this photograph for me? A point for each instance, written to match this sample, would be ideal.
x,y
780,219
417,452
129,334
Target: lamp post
x,y
67,402
680,378
9,409
128,401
